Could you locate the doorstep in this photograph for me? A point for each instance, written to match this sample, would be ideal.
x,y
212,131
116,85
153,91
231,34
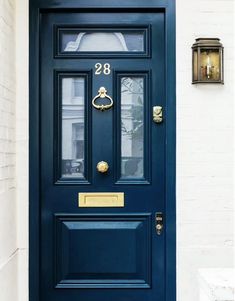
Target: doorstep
x,y
216,284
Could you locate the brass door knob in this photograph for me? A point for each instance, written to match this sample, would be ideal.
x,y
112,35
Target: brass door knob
x,y
102,166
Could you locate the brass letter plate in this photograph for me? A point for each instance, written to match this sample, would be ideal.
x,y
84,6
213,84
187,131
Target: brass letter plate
x,y
101,199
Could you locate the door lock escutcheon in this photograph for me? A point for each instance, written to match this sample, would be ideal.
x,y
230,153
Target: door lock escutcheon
x,y
157,114
159,222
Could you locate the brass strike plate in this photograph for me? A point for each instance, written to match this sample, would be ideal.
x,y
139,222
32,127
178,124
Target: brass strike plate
x,y
101,199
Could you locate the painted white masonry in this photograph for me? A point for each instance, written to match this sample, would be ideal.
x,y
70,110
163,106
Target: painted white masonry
x,y
8,213
204,149
216,284
22,105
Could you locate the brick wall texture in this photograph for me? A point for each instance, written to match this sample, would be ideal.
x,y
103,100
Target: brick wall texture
x,y
8,220
204,148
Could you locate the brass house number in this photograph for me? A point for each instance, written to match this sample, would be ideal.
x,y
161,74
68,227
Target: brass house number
x,y
105,69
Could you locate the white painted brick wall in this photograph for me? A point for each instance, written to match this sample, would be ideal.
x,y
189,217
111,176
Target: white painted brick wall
x,y
22,106
204,148
8,220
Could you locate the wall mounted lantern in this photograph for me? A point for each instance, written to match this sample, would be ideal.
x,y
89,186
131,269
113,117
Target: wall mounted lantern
x,y
208,61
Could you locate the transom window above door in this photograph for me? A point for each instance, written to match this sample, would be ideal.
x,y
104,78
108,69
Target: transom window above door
x,y
122,41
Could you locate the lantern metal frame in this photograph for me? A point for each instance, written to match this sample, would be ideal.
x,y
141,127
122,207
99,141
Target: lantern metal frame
x,y
207,44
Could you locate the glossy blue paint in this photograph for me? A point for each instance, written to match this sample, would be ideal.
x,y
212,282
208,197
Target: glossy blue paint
x,y
87,235
59,230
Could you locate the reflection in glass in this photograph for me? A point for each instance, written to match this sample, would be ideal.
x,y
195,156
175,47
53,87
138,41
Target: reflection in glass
x,y
73,127
132,119
108,41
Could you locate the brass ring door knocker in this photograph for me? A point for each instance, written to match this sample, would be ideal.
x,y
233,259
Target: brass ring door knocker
x,y
102,93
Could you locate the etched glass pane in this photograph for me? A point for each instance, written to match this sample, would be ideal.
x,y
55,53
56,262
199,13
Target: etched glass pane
x,y
132,123
105,41
73,127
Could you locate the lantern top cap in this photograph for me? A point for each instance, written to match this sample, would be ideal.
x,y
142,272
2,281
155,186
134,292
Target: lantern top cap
x,y
207,42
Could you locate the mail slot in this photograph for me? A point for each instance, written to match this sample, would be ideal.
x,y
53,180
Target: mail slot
x,y
101,199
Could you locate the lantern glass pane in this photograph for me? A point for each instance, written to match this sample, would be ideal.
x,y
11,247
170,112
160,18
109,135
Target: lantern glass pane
x,y
210,65
195,65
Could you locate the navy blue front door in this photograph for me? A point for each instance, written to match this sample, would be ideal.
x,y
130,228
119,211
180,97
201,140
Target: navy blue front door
x,y
103,171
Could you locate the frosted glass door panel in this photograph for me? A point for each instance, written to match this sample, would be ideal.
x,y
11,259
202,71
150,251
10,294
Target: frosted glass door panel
x,y
73,127
132,123
103,41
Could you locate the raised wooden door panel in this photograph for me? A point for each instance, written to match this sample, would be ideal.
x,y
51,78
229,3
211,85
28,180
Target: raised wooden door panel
x,y
103,251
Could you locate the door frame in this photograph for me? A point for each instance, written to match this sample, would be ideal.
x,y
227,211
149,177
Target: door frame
x,y
36,7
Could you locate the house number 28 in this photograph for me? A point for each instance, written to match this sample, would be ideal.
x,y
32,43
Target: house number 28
x,y
105,69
